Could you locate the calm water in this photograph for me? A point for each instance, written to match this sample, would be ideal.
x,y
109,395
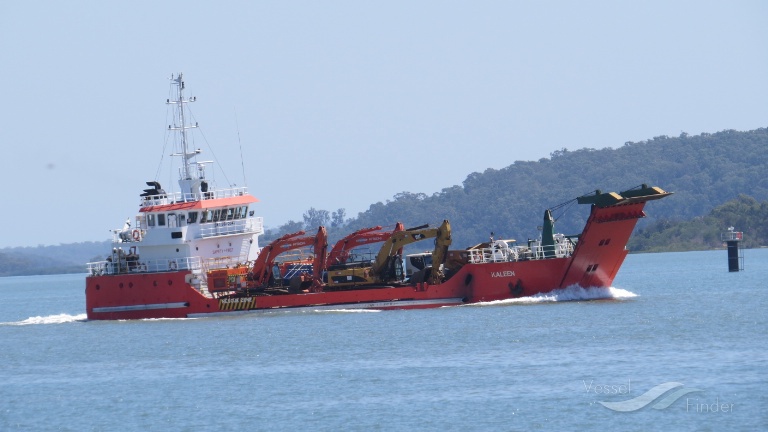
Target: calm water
x,y
533,364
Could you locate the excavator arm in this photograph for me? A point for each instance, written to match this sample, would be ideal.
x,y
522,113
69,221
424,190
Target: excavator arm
x,y
387,266
319,263
394,245
340,252
442,242
263,266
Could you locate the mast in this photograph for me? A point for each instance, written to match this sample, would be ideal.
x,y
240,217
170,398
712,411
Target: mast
x,y
192,173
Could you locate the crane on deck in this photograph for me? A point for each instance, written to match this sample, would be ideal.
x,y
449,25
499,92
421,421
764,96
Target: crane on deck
x,y
262,273
388,266
340,252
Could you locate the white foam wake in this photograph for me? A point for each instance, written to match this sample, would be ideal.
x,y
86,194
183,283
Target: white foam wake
x,y
571,293
50,319
345,310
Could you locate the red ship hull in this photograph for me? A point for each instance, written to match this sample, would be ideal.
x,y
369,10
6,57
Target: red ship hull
x,y
594,262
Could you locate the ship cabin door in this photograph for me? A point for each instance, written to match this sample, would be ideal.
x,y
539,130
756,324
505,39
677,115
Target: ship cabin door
x,y
172,221
176,220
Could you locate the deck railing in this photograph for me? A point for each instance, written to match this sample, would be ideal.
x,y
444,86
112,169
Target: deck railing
x,y
520,253
178,197
732,236
208,229
122,266
237,226
194,264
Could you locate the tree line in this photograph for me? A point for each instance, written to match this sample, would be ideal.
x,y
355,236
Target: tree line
x,y
744,214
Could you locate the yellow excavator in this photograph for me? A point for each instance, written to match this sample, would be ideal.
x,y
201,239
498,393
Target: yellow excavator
x,y
388,266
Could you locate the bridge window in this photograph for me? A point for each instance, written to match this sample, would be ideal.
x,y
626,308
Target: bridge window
x,y
161,219
230,213
192,217
207,216
150,220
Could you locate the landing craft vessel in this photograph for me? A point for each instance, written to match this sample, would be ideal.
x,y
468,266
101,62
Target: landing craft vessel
x,y
196,253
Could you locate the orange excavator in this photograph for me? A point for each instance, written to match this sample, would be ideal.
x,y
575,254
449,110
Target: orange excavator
x,y
262,272
340,252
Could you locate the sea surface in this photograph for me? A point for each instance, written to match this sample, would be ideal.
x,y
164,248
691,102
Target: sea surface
x,y
678,343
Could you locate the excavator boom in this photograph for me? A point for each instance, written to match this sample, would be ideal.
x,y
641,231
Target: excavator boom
x,y
262,267
319,263
442,242
262,270
340,252
395,244
394,247
388,264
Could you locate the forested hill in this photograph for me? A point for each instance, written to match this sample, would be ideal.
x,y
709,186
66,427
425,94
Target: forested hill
x,y
703,171
744,213
59,259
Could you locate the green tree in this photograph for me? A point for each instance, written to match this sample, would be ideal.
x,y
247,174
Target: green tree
x,y
338,218
314,218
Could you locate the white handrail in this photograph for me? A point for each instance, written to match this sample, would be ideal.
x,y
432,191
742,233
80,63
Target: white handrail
x,y
177,197
519,253
236,226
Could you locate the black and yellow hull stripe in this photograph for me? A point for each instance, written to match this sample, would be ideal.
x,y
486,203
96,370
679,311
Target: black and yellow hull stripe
x,y
238,303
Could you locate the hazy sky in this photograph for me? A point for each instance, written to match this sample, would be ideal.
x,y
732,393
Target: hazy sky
x,y
341,104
